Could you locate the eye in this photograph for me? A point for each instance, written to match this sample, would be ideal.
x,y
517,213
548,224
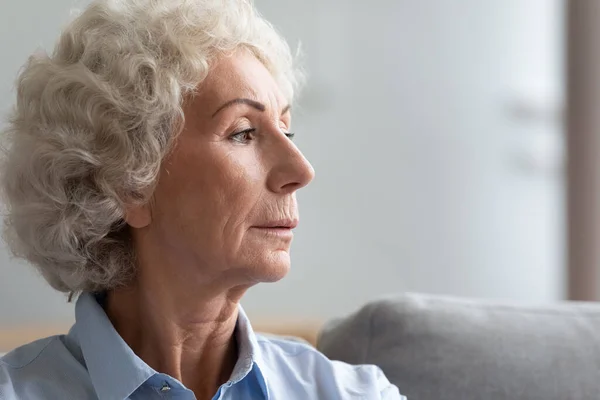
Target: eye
x,y
290,135
244,136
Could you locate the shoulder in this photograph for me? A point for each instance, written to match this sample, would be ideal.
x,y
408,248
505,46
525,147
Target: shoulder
x,y
15,368
320,376
22,356
283,346
41,369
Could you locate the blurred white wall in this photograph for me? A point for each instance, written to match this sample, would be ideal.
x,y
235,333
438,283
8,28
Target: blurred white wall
x,y
432,126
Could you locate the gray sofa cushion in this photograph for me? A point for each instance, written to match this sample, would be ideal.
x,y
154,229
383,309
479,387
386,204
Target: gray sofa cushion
x,y
440,348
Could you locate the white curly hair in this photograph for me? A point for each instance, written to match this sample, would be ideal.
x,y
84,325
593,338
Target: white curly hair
x,y
94,120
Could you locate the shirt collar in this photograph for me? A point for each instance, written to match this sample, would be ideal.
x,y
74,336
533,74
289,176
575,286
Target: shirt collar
x,y
250,356
116,371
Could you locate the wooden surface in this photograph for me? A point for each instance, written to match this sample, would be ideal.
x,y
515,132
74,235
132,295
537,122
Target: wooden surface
x,y
16,336
583,144
11,337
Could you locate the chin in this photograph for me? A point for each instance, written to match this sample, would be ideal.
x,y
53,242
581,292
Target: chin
x,y
274,267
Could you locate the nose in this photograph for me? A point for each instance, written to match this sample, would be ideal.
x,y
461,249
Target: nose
x,y
291,171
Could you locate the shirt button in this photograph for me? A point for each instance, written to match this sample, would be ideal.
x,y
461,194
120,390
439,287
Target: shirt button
x,y
165,387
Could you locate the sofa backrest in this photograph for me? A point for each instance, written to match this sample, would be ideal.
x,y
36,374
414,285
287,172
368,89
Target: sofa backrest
x,y
441,348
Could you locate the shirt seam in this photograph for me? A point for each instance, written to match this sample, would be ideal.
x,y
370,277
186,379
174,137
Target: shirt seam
x,y
33,359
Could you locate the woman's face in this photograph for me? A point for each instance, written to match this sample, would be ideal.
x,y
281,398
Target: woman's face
x,y
225,203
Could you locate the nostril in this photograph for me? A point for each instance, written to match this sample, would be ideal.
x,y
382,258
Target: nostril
x,y
291,186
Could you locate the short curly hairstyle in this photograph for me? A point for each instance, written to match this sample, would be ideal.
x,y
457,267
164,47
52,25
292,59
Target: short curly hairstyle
x,y
94,120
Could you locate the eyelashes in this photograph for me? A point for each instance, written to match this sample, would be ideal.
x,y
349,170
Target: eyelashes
x,y
244,136
247,135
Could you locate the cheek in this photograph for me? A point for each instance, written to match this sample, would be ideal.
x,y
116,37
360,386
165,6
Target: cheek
x,y
238,186
210,195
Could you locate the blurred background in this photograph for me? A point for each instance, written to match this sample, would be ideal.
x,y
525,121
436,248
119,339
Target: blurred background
x,y
437,130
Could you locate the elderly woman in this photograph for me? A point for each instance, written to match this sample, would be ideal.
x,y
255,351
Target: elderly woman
x,y
150,172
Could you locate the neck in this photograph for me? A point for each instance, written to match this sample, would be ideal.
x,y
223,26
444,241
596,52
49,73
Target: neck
x,y
184,335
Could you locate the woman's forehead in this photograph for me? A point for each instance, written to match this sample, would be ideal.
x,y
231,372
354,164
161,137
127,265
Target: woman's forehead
x,y
239,76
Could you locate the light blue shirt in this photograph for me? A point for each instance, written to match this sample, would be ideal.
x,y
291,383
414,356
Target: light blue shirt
x,y
94,362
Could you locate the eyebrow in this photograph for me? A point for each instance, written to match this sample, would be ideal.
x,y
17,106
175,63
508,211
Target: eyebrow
x,y
252,103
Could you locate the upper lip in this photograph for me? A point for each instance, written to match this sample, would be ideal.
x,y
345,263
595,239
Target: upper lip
x,y
282,223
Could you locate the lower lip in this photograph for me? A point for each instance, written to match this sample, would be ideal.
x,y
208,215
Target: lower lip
x,y
279,232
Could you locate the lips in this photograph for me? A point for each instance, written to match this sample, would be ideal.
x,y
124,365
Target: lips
x,y
280,224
